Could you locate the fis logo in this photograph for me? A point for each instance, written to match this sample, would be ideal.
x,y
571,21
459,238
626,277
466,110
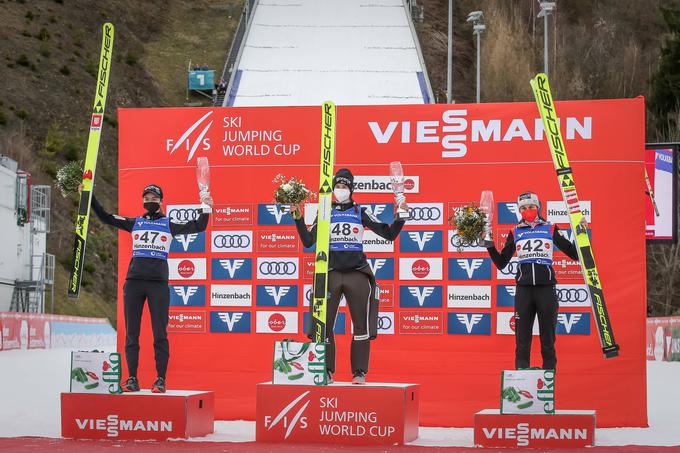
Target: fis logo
x,y
188,243
508,213
383,268
469,323
339,327
273,214
277,295
505,295
573,324
469,269
191,141
420,241
230,321
187,295
232,269
420,296
383,212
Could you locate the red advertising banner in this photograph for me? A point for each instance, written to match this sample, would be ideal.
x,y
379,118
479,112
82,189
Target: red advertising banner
x,y
439,320
657,343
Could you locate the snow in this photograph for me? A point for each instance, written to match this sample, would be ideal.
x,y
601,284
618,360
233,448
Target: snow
x,y
304,52
32,380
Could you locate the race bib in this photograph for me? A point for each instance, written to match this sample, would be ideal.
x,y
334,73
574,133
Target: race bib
x,y
534,245
347,231
151,238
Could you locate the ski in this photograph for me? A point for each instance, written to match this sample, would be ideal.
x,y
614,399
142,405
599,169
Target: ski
x,y
323,222
546,107
96,123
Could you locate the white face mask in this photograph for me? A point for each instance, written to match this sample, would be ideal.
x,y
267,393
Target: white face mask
x,y
342,195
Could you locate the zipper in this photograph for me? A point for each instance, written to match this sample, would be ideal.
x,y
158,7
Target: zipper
x,y
549,274
533,274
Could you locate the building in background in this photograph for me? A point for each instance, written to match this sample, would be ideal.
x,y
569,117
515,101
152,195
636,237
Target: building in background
x,y
26,270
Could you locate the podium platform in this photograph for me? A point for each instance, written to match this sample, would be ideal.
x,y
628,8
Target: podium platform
x,y
340,413
137,416
563,429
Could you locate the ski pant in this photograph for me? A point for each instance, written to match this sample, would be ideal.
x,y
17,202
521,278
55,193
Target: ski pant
x,y
532,301
359,290
135,292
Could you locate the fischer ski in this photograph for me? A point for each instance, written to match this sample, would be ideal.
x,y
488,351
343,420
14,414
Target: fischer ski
x,y
96,123
323,223
546,107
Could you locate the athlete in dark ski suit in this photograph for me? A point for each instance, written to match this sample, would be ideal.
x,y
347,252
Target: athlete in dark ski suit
x,y
350,274
147,277
533,238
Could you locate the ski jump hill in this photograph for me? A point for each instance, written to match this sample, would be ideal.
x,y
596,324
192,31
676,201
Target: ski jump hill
x,y
302,52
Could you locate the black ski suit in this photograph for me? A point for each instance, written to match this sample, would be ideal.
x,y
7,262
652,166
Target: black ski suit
x,y
350,274
147,279
535,295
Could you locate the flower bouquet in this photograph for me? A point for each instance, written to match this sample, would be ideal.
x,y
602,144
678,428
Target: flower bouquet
x,y
69,178
470,221
291,191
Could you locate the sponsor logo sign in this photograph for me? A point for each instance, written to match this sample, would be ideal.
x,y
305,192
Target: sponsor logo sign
x,y
557,212
232,241
277,241
183,213
382,184
386,295
420,268
386,322
456,242
420,241
276,322
186,268
187,295
273,214
469,268
464,296
573,323
231,269
232,215
426,214
573,295
185,321
383,268
508,213
469,323
567,269
230,321
505,295
421,322
231,295
508,272
384,212
278,268
420,296
374,243
277,296
192,243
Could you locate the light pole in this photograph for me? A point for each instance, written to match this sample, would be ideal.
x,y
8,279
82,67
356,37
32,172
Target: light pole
x,y
547,8
478,27
449,60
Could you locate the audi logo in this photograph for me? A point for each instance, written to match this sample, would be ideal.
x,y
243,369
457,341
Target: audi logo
x,y
425,213
308,295
511,268
459,241
277,268
384,322
230,241
572,294
183,214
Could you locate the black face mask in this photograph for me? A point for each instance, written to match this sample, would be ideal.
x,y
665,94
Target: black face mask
x,y
151,206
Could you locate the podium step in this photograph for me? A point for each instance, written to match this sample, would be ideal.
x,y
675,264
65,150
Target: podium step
x,y
341,413
563,429
137,416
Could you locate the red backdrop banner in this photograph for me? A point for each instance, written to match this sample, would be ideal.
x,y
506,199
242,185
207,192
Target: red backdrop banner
x,y
446,316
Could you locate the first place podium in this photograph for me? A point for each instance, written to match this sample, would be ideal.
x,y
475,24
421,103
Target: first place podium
x,y
340,413
137,416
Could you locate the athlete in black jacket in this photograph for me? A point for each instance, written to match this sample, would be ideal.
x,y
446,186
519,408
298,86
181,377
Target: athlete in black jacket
x,y
535,292
349,272
147,276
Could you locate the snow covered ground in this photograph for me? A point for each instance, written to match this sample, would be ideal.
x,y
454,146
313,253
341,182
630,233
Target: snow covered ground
x,y
30,405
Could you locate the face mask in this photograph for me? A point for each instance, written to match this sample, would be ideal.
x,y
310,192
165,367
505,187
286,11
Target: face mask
x,y
151,206
530,214
341,195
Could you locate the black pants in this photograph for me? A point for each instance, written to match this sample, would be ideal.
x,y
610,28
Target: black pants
x,y
356,286
529,302
135,292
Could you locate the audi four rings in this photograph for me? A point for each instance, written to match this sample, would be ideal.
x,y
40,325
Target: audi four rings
x,y
277,268
511,268
572,294
425,213
384,322
230,241
184,214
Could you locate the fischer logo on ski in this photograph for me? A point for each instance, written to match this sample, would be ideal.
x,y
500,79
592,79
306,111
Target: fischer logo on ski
x,y
96,122
546,107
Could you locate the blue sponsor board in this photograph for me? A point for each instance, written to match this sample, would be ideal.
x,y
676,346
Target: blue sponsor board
x,y
420,241
231,269
273,214
277,296
383,268
340,327
469,268
230,321
465,323
187,295
189,243
421,296
573,324
383,211
508,213
505,295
